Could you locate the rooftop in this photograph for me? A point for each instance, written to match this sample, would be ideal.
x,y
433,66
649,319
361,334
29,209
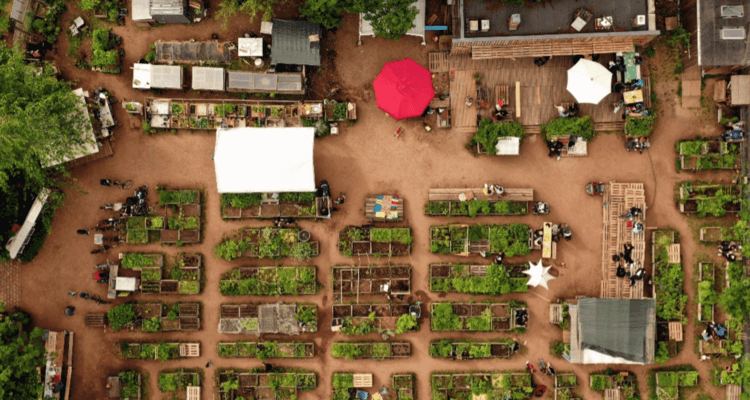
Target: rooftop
x,y
712,49
207,78
553,17
249,81
291,43
147,76
167,7
614,331
192,52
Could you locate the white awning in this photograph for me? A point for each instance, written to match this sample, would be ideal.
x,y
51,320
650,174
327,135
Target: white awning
x,y
125,284
15,244
365,28
264,160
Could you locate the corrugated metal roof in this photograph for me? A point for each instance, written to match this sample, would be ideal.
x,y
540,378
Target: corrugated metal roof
x,y
166,77
207,78
167,7
241,80
618,327
192,52
291,43
740,85
18,12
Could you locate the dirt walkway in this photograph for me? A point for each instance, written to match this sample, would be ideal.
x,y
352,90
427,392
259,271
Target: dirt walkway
x,y
364,160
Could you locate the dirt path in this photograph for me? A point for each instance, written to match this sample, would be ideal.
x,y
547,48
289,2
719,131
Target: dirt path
x,y
364,160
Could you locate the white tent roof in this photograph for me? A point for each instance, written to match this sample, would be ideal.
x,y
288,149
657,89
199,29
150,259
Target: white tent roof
x,y
365,28
15,243
538,274
125,284
264,160
508,146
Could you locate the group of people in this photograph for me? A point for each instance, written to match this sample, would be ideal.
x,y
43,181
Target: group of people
x,y
729,250
569,111
626,256
554,148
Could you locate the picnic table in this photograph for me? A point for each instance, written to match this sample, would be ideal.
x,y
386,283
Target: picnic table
x,y
633,96
384,208
632,71
547,241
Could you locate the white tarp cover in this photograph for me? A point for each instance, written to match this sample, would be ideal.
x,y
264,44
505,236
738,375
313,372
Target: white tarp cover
x,y
125,284
264,160
508,146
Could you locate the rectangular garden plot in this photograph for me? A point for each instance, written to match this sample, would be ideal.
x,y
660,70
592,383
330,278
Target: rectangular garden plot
x,y
457,349
483,384
373,279
511,239
707,295
712,233
443,202
182,278
178,384
182,211
268,242
288,319
477,317
370,350
668,384
267,349
270,281
478,279
157,351
700,155
360,241
565,382
709,199
164,317
126,385
622,385
405,385
363,318
263,205
283,384
668,276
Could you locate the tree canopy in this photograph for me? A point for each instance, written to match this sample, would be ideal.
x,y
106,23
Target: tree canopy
x,y
41,123
20,355
389,18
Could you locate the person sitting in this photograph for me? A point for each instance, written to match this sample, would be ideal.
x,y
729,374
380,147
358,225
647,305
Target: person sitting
x,y
500,115
499,258
562,112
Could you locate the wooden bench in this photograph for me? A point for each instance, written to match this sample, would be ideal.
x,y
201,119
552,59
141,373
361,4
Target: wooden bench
x,y
510,194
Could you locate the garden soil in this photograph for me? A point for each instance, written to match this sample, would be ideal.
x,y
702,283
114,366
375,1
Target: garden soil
x,y
364,159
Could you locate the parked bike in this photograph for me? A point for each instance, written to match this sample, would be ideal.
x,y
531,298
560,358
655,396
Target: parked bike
x,y
108,182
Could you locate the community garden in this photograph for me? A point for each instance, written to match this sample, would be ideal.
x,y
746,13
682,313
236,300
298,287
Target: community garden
x,y
490,279
259,205
283,383
161,351
178,222
256,319
365,318
674,383
465,385
270,281
671,301
177,384
478,317
377,242
625,383
268,243
184,276
155,317
130,384
371,350
463,349
372,279
704,199
702,154
511,239
266,350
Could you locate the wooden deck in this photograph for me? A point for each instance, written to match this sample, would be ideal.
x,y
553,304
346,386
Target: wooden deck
x,y
619,198
509,194
540,88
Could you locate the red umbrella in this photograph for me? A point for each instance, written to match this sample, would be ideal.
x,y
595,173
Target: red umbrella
x,y
403,89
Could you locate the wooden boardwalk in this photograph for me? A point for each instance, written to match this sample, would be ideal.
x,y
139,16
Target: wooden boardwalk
x,y
541,88
618,199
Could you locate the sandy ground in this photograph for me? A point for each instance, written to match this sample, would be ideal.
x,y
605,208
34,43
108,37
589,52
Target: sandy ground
x,y
364,159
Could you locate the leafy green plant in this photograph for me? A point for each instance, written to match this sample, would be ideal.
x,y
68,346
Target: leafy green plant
x,y
488,133
152,325
121,316
640,126
406,322
443,318
580,126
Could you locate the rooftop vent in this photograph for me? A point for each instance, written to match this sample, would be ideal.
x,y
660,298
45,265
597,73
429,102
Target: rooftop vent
x,y
733,33
732,11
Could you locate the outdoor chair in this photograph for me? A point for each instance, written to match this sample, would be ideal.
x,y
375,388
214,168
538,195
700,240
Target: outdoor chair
x,y
580,19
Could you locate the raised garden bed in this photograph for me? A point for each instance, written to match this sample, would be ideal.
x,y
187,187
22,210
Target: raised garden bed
x,y
478,279
156,317
373,279
130,385
283,383
174,383
256,319
511,239
709,199
405,385
358,241
668,278
363,318
707,296
155,351
699,155
262,205
270,281
266,350
182,278
515,384
370,350
477,317
266,242
475,208
458,349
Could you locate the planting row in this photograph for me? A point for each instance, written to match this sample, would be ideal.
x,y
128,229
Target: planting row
x,y
155,317
370,350
270,281
511,239
267,349
490,279
268,243
478,317
256,319
157,351
460,349
261,205
477,207
359,241
184,277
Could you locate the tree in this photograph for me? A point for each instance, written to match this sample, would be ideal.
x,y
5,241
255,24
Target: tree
x,y
89,4
389,18
21,353
41,121
228,9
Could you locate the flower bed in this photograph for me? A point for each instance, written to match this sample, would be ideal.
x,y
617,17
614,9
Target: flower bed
x,y
490,279
266,350
370,350
709,199
266,243
511,239
270,281
515,384
357,241
477,317
349,280
476,207
460,349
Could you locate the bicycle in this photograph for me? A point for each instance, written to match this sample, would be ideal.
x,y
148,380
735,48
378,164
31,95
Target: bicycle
x,y
124,185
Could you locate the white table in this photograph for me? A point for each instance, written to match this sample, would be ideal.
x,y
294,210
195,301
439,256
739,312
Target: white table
x,y
250,47
578,24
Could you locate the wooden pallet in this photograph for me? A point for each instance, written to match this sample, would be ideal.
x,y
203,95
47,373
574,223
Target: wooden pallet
x,y
439,61
95,320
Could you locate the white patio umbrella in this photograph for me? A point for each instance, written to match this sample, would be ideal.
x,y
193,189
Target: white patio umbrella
x,y
538,275
589,82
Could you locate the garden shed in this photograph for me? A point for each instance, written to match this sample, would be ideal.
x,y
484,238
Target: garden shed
x,y
208,78
265,160
365,27
740,90
148,76
295,43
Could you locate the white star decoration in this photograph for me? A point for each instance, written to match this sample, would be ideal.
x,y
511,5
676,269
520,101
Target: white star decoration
x,y
538,274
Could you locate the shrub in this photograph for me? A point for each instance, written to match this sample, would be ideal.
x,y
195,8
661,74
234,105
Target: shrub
x,y
640,126
443,318
406,322
121,315
662,354
488,133
581,126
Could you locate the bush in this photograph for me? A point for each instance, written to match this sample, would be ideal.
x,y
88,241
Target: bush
x,y
488,133
406,322
640,126
146,127
581,126
662,353
39,236
121,315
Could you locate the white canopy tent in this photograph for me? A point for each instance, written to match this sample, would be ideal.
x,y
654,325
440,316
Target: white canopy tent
x,y
265,160
365,28
538,275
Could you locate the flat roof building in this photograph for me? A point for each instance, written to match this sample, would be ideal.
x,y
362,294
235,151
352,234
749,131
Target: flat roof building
x,y
208,78
149,76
